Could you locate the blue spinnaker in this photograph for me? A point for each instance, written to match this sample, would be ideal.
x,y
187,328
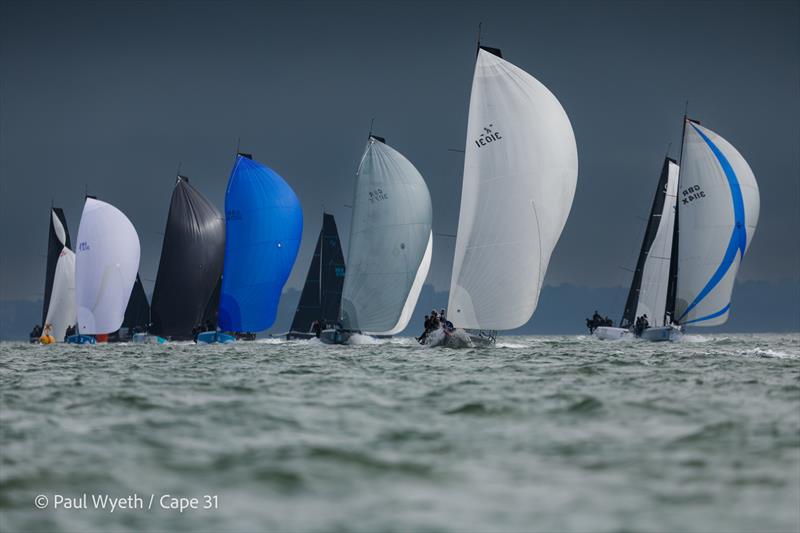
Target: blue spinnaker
x,y
264,224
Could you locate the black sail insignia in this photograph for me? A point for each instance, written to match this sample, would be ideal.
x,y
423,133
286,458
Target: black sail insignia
x,y
191,263
653,222
54,247
322,292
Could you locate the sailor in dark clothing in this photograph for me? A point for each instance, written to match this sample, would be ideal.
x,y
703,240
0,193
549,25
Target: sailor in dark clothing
x,y
426,330
316,327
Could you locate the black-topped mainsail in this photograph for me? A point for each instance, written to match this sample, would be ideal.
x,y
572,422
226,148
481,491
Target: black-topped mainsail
x,y
322,292
653,223
137,314
57,240
191,262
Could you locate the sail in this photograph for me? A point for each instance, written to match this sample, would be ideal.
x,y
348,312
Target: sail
x,y
322,293
137,313
389,239
264,224
718,205
61,311
191,262
661,220
652,299
106,263
520,173
57,240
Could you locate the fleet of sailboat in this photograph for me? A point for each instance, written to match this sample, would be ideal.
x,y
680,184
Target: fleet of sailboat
x,y
220,279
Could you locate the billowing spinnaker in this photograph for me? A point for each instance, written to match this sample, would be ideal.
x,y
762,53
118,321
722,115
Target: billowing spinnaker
x,y
655,274
718,204
191,262
389,237
58,239
264,225
106,263
520,172
62,312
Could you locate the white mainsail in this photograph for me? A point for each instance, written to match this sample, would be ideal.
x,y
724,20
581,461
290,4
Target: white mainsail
x,y
390,242
718,206
520,173
62,313
107,260
655,274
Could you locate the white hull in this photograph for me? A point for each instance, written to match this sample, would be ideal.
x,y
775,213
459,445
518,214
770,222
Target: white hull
x,y
607,333
457,339
665,333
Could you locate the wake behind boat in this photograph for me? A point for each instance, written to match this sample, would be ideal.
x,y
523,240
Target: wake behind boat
x,y
520,174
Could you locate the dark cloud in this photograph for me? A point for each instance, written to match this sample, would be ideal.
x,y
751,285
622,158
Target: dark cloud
x,y
113,95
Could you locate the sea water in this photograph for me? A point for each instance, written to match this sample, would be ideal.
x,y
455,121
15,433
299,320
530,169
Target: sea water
x,y
537,433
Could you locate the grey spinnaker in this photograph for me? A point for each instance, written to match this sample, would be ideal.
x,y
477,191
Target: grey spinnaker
x,y
191,263
390,242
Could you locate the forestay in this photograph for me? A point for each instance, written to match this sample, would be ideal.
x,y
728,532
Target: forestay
x,y
655,273
390,242
106,263
264,225
520,173
718,207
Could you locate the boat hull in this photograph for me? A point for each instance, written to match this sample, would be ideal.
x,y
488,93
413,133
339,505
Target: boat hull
x,y
214,337
299,336
146,338
335,336
81,339
457,339
607,333
661,334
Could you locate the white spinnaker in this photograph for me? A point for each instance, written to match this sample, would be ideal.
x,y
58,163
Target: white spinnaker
x,y
58,227
62,312
718,205
655,274
520,173
390,238
107,259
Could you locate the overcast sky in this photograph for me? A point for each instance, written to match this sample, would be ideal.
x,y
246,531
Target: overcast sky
x,y
111,96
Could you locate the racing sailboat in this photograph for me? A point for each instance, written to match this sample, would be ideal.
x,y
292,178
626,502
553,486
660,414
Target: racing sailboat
x,y
191,263
391,243
263,228
322,293
716,208
106,265
59,311
520,173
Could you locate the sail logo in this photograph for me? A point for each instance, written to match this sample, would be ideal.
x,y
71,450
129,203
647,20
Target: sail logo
x,y
84,246
377,196
488,135
691,194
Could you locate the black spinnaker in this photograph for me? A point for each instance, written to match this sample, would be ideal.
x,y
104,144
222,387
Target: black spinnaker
x,y
191,263
54,247
322,293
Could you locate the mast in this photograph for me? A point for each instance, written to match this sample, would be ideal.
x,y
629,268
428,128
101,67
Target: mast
x,y
669,309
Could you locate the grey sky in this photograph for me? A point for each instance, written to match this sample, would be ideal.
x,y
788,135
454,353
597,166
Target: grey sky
x,y
112,95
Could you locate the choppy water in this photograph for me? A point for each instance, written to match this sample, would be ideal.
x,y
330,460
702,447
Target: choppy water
x,y
538,433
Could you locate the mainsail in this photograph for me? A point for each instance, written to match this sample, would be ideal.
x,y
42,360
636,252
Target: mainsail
x,y
520,173
322,293
106,263
390,242
57,240
648,292
191,262
718,207
137,313
264,225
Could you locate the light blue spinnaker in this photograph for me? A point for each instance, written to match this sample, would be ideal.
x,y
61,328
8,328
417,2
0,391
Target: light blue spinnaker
x,y
264,224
